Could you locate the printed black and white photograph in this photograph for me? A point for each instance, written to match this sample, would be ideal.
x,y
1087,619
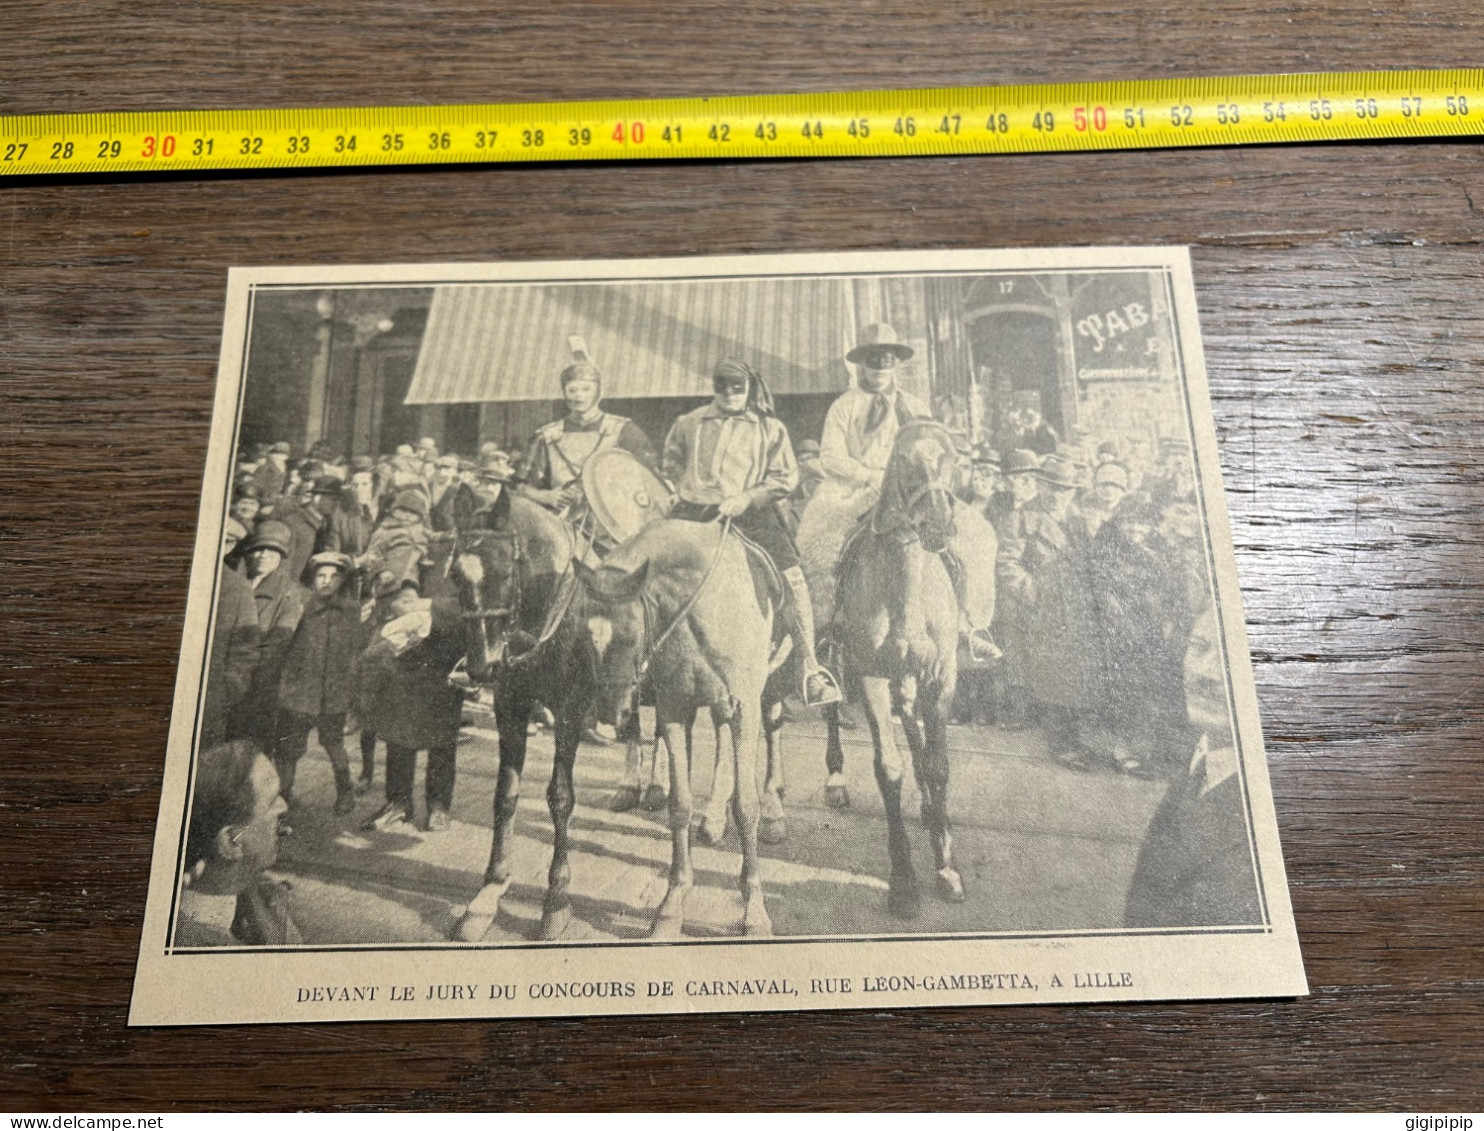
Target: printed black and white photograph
x,y
776,633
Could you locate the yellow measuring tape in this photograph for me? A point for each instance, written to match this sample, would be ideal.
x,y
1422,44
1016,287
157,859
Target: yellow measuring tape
x,y
1242,110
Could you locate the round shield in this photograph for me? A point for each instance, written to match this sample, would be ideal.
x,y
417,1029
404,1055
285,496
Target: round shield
x,y
625,496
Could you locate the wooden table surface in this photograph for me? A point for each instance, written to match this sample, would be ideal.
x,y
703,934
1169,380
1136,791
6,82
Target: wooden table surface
x,y
1342,306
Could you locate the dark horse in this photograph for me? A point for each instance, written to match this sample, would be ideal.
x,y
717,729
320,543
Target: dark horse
x,y
516,584
896,620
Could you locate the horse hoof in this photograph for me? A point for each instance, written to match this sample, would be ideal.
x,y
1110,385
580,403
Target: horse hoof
x,y
772,830
904,903
951,885
757,926
472,928
836,796
711,830
625,798
554,923
655,798
667,927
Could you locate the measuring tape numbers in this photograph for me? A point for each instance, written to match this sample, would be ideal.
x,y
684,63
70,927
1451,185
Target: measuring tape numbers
x,y
1242,110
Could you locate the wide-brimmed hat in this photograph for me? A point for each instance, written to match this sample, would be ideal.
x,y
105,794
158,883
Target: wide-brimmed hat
x,y
878,338
1111,472
1059,471
330,558
328,485
271,535
1022,460
411,500
362,463
448,459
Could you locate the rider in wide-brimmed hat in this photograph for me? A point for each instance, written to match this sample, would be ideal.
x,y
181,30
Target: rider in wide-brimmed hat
x,y
859,434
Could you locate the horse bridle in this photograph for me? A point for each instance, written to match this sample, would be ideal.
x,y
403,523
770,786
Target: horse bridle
x,y
510,613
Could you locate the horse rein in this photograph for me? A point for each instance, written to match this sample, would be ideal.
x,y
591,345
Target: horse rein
x,y
646,603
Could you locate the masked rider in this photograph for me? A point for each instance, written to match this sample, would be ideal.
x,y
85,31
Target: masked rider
x,y
733,459
855,447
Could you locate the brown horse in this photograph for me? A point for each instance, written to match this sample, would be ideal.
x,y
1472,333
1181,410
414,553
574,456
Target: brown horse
x,y
516,586
679,607
896,620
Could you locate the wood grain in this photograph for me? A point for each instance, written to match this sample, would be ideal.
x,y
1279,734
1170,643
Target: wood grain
x,y
1341,301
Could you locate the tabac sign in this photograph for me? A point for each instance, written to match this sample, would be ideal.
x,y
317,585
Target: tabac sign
x,y
1120,330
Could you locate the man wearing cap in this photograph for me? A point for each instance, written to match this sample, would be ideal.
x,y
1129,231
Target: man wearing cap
x,y
732,459
235,642
1009,691
1173,477
272,475
245,505
492,490
1093,507
306,515
349,526
1059,659
402,692
279,602
314,689
451,503
551,472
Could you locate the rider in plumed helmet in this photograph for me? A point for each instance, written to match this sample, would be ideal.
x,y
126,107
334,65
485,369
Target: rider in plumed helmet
x,y
551,472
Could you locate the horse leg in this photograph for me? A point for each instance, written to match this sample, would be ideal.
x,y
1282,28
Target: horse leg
x,y
714,819
669,919
773,826
836,794
903,898
561,798
510,721
630,788
746,728
932,778
912,728
657,773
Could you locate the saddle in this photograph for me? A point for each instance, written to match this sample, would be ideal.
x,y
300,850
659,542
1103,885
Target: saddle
x,y
865,526
767,582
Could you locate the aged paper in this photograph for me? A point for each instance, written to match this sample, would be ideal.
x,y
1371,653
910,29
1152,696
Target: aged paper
x,y
787,632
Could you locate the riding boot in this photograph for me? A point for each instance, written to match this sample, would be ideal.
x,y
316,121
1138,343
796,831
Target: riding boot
x,y
820,686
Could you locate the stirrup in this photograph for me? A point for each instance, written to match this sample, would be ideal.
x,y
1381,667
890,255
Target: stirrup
x,y
831,693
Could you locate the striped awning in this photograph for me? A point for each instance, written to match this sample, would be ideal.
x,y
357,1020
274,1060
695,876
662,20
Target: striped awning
x,y
508,341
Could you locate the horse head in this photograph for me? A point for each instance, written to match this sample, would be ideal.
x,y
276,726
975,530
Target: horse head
x,y
613,632
486,571
919,482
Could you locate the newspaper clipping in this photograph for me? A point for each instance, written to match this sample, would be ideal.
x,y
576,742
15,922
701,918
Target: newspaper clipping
x,y
764,633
